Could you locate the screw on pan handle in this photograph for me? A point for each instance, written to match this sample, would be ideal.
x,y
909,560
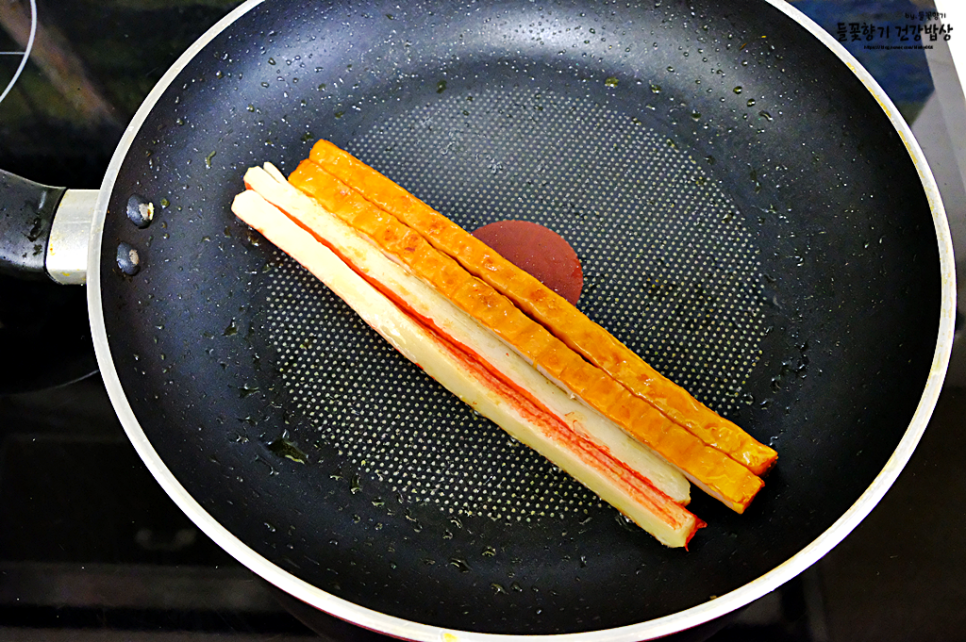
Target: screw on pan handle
x,y
26,214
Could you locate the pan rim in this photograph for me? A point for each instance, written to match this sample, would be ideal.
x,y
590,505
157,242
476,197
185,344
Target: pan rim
x,y
665,625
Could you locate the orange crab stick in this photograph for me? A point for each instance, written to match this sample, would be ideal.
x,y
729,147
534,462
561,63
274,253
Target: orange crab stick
x,y
709,468
581,334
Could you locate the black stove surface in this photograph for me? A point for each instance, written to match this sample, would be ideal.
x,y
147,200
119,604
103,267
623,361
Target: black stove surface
x,y
91,547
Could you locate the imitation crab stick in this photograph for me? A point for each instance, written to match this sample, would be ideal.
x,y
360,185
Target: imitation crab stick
x,y
464,373
713,471
553,311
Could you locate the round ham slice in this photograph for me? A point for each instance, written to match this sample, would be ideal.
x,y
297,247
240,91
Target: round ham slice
x,y
541,252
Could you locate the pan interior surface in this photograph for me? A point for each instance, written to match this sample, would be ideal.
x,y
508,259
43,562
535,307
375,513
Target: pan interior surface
x,y
748,220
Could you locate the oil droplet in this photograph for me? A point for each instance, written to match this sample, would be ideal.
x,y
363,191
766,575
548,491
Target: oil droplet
x,y
498,588
738,89
489,551
516,588
611,82
751,102
695,115
440,86
670,69
766,115
460,564
655,89
354,484
246,391
232,329
253,237
283,446
378,502
208,159
271,61
251,108
625,522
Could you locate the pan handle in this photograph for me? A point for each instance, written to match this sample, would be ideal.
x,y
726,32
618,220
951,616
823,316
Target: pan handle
x,y
70,237
44,230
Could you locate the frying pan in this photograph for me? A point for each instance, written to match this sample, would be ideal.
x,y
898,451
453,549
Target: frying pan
x,y
752,215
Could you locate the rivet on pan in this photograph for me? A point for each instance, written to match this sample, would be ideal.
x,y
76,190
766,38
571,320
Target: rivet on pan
x,y
140,210
127,259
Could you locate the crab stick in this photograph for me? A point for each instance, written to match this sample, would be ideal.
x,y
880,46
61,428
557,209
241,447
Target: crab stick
x,y
564,320
438,313
710,469
464,372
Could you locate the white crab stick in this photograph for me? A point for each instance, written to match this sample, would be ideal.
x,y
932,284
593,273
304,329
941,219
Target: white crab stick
x,y
426,302
472,364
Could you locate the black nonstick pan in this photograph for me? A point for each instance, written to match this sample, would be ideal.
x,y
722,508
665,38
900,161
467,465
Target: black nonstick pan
x,y
752,216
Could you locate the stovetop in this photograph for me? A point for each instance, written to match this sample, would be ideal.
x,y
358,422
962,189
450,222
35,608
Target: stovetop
x,y
91,547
